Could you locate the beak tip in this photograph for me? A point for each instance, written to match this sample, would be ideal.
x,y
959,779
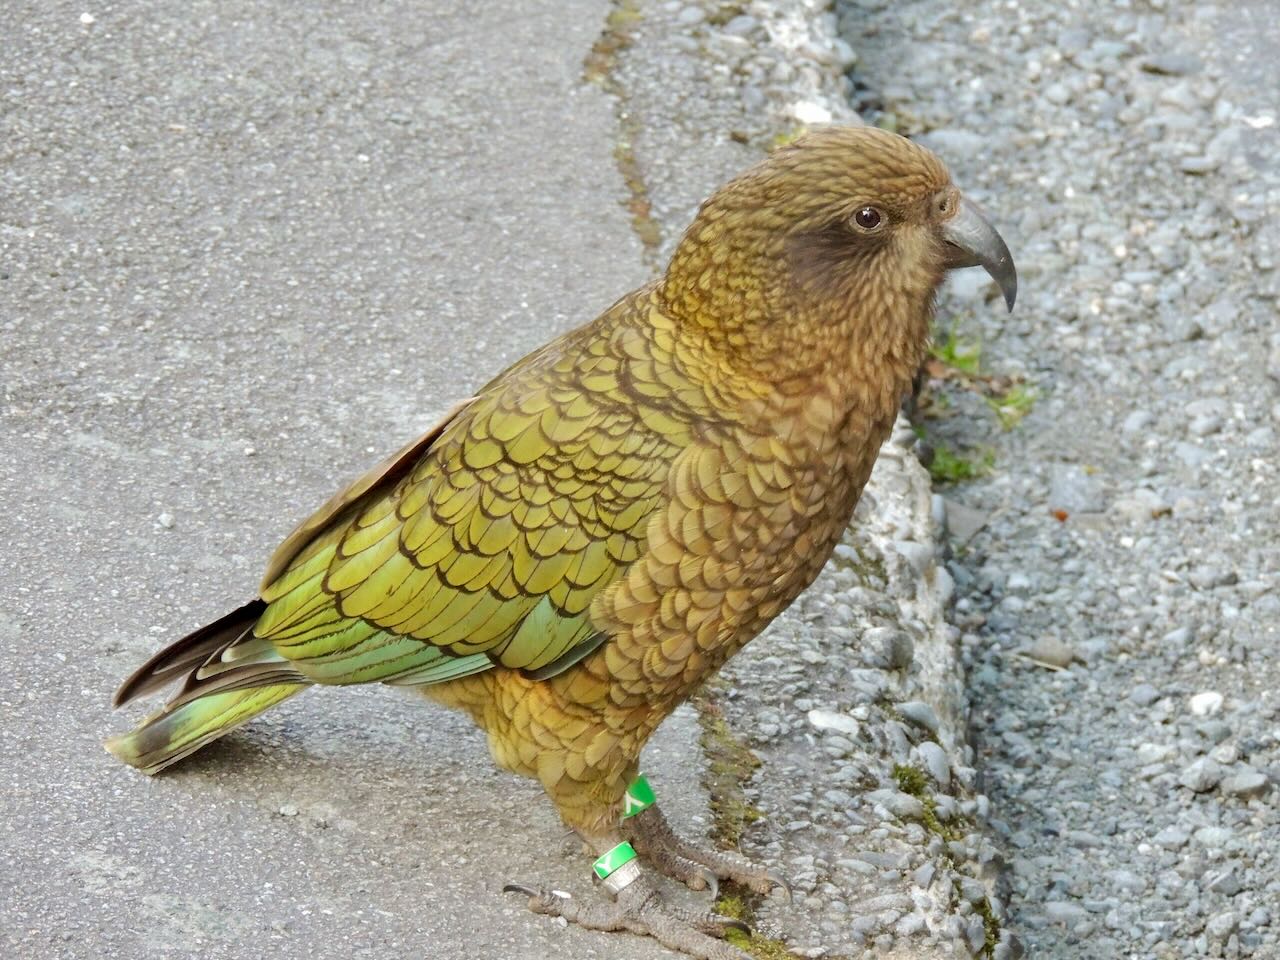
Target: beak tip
x,y
1010,291
974,242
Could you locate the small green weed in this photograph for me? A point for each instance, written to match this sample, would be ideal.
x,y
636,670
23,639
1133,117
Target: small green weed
x,y
1014,404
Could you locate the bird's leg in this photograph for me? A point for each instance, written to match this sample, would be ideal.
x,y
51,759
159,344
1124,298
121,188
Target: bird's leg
x,y
637,907
672,855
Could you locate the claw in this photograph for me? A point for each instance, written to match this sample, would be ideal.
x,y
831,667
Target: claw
x,y
521,888
711,882
733,923
781,883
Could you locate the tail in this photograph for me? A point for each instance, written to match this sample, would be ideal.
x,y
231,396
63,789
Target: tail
x,y
170,735
229,678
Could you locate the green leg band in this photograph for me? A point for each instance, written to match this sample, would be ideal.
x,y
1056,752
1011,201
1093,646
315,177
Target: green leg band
x,y
639,796
618,868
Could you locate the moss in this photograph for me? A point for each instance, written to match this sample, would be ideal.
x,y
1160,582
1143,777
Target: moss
x,y
947,466
730,764
599,68
912,780
871,573
740,904
887,121
991,925
637,202
765,948
613,39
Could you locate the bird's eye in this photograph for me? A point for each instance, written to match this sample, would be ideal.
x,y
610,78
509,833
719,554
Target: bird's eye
x,y
868,218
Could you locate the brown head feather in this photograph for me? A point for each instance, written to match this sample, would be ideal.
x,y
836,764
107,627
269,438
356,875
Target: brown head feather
x,y
777,275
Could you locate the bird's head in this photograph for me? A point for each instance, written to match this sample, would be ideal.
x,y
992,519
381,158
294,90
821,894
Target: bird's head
x,y
845,233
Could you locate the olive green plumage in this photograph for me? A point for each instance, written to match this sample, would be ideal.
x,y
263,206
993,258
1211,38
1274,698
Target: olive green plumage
x,y
572,551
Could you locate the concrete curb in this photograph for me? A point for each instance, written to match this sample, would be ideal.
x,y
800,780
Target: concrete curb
x,y
853,699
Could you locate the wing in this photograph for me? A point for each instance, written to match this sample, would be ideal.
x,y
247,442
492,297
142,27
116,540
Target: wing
x,y
492,544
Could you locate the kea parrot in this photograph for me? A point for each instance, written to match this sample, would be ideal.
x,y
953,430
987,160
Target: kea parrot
x,y
570,553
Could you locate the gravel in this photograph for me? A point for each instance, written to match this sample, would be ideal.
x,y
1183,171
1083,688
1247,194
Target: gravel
x,y
1130,523
1110,583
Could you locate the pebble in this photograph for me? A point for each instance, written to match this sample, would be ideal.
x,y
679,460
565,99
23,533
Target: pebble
x,y
1208,577
1172,64
1225,881
1206,703
1215,838
1144,694
920,714
963,521
1137,422
742,26
1201,776
1051,651
1246,784
1060,911
1171,838
936,762
829,720
897,803
1197,165
1075,490
1222,925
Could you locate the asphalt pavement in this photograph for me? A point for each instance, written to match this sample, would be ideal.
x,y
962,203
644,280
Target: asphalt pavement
x,y
245,251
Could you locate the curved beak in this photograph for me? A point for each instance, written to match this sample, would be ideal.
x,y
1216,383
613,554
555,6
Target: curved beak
x,y
973,242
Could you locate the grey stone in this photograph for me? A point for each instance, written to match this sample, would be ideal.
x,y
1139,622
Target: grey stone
x,y
1073,489
919,555
1171,838
963,521
1225,881
1062,911
1198,165
920,714
1192,455
1137,422
936,762
742,26
829,720
1209,576
1246,784
1222,925
897,803
1051,651
1201,776
1172,64
1144,694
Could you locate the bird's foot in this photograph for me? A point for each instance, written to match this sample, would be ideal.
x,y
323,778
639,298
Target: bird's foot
x,y
639,908
673,856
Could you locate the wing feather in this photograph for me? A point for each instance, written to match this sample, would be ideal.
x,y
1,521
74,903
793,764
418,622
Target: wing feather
x,y
485,540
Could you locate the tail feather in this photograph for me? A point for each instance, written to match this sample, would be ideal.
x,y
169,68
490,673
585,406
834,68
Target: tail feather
x,y
173,733
190,653
227,677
